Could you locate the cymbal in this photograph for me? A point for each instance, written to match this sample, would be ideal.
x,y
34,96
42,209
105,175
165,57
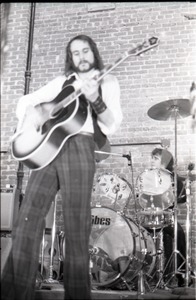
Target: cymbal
x,y
166,110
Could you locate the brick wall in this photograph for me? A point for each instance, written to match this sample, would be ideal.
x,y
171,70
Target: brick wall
x,y
163,73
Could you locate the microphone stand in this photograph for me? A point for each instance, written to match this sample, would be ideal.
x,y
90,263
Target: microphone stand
x,y
141,276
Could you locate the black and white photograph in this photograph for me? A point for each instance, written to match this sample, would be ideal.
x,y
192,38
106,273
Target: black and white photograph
x,y
98,150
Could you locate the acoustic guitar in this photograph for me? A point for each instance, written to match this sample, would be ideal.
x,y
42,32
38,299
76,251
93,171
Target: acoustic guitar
x,y
61,118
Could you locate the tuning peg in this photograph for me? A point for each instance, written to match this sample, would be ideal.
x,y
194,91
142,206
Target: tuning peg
x,y
153,40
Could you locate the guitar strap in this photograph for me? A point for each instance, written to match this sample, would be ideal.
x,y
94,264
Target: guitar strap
x,y
101,141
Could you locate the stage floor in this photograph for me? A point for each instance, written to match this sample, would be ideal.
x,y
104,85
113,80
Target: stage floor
x,y
56,292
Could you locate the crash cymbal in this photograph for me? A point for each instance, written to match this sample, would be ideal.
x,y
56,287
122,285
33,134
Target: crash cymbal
x,y
166,110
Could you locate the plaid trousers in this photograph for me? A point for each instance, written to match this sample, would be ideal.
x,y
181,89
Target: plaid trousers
x,y
72,171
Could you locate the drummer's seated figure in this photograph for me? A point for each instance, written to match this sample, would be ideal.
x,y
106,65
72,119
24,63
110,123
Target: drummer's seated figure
x,y
163,159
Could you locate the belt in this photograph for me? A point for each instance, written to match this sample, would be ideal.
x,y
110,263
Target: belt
x,y
86,133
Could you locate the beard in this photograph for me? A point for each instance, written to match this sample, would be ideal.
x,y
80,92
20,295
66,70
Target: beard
x,y
84,66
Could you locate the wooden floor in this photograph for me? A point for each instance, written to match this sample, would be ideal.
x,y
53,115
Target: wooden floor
x,y
56,292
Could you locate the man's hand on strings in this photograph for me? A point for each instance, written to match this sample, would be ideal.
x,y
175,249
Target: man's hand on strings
x,y
90,87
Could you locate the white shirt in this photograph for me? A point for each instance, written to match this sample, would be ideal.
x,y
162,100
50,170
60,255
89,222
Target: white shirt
x,y
110,95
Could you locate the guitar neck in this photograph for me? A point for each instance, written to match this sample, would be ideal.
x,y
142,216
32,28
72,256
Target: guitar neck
x,y
145,46
134,52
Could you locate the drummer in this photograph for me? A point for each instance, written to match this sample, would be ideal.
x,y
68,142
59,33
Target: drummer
x,y
163,159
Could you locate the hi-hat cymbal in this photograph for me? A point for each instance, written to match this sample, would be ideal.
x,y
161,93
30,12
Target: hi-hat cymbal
x,y
168,110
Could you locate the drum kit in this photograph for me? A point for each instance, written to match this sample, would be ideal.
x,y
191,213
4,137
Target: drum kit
x,y
128,253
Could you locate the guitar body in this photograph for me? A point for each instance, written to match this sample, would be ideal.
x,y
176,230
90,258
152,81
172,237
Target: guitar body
x,y
37,148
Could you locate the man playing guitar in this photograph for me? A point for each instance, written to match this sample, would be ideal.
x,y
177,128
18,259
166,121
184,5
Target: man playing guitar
x,y
71,170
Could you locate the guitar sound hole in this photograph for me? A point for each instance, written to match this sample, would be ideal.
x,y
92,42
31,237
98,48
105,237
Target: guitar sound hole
x,y
62,115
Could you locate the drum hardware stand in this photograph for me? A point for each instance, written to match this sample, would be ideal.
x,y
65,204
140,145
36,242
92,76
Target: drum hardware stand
x,y
188,205
61,236
183,290
125,282
40,275
90,265
50,279
160,253
117,189
42,252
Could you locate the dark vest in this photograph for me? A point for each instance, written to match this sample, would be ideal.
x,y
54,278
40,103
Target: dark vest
x,y
101,141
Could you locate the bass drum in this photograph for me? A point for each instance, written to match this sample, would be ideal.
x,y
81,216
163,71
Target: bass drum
x,y
115,248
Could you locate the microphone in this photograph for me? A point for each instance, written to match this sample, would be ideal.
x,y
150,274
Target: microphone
x,y
126,155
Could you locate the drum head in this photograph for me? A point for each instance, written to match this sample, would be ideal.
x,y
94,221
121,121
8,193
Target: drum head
x,y
112,191
155,189
114,247
111,237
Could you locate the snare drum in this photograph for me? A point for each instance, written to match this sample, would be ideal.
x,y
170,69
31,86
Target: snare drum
x,y
155,219
155,189
115,248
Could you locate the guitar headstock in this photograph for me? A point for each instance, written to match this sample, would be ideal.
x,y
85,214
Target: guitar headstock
x,y
145,46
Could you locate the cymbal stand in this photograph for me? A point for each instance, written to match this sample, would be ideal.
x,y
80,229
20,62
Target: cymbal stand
x,y
175,194
188,205
175,252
